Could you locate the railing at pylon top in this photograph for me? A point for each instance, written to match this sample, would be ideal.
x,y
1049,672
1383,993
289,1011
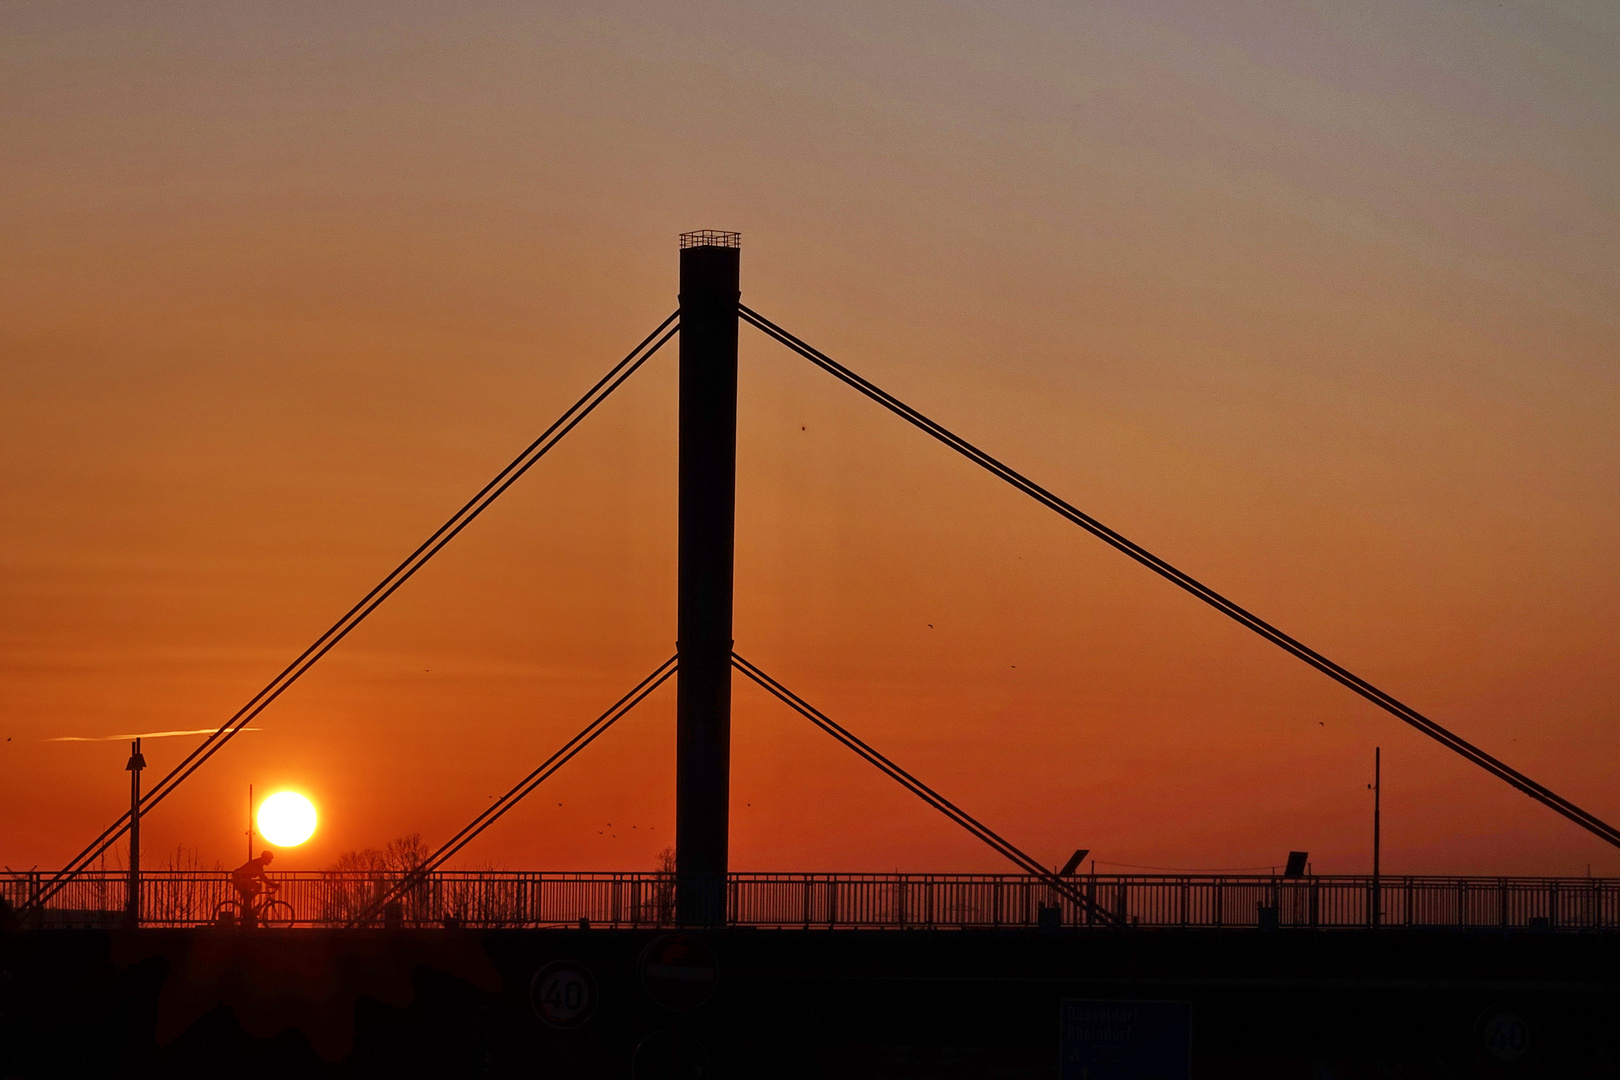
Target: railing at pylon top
x,y
711,238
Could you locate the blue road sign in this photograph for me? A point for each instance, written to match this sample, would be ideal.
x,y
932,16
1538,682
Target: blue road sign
x,y
1125,1040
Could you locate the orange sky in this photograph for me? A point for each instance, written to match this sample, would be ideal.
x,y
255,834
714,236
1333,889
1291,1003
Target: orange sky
x,y
1321,306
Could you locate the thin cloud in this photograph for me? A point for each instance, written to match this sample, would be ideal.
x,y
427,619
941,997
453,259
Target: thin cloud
x,y
137,735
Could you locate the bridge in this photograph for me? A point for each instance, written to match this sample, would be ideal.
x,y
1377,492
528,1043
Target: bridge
x,y
703,889
706,971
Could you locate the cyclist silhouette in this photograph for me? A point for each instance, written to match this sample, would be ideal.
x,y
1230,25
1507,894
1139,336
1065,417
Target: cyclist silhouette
x,y
249,881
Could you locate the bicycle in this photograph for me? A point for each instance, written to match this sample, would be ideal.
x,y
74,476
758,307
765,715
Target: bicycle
x,y
271,913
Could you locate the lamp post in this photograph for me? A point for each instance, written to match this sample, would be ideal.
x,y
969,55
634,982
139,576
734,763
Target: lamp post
x,y
137,762
1378,796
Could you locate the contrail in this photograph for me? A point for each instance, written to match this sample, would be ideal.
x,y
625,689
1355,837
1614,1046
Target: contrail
x,y
137,735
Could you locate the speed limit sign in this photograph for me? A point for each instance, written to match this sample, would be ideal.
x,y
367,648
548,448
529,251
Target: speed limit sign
x,y
563,993
1506,1036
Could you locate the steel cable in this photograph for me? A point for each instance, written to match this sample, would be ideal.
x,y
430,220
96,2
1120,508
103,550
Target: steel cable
x,y
521,790
927,794
369,603
1385,701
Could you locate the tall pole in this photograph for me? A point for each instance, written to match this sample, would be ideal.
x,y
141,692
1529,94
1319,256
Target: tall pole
x,y
710,263
1378,797
137,762
250,823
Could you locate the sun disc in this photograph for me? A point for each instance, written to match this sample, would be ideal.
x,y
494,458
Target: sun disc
x,y
286,819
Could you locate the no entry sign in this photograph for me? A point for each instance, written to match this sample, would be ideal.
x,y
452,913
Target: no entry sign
x,y
679,971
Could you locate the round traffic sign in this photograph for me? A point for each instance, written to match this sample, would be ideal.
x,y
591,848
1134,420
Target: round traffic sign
x,y
1506,1036
679,971
563,993
670,1055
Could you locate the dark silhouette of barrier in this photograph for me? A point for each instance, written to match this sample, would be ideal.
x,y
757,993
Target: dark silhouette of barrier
x,y
1085,902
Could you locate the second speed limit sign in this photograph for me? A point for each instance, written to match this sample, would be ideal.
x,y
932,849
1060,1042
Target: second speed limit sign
x,y
563,993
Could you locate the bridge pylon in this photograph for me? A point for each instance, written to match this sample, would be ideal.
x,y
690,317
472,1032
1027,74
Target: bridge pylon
x,y
710,267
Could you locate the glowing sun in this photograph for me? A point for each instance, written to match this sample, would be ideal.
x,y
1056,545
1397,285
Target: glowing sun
x,y
286,819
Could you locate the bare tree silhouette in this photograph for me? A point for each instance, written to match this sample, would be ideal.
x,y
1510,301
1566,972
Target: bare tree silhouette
x,y
358,877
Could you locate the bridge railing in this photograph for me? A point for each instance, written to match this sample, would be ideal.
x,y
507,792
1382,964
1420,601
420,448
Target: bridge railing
x,y
845,901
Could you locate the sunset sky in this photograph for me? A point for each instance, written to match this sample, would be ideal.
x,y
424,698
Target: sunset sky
x,y
1319,302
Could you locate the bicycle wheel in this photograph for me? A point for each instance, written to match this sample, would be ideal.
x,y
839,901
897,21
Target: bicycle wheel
x,y
277,914
227,913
